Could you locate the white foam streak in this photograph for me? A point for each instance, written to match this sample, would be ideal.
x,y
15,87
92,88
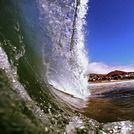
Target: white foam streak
x,y
12,74
80,44
18,87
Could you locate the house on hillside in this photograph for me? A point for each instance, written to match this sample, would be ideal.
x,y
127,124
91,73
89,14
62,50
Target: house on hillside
x,y
112,76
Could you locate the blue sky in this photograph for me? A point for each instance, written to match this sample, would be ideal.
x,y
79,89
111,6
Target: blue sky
x,y
110,25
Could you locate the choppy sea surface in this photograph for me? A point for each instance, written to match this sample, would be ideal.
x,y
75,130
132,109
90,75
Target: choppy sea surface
x,y
43,88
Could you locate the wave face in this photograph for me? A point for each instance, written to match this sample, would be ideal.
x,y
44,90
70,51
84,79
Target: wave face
x,y
63,44
41,47
41,54
54,31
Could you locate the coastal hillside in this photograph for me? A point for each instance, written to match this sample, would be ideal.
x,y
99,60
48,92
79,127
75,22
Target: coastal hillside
x,y
116,75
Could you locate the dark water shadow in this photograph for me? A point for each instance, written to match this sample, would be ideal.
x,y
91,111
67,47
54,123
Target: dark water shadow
x,y
111,105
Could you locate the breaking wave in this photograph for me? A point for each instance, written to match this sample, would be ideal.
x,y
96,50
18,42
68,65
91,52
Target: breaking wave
x,y
43,86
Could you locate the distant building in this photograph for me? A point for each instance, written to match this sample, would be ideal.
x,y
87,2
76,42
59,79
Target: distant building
x,y
111,76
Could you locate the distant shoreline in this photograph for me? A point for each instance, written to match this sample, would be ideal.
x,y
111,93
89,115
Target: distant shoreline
x,y
113,76
110,81
96,88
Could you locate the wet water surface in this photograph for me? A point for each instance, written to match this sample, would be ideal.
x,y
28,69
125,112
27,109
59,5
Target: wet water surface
x,y
110,106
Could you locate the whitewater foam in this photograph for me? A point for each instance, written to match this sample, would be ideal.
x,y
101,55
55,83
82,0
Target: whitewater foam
x,y
63,50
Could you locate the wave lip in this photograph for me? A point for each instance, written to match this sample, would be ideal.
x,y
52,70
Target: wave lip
x,y
63,49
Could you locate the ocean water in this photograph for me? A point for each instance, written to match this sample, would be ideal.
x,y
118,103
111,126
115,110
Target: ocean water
x,y
43,86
